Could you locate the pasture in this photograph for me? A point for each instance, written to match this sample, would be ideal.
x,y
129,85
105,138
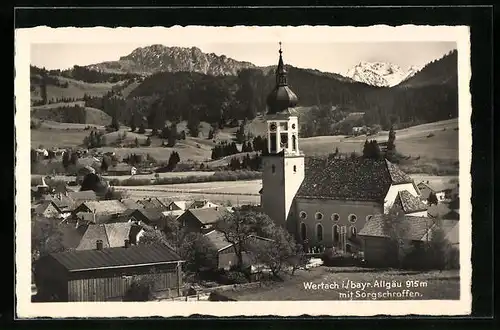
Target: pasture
x,y
321,284
76,89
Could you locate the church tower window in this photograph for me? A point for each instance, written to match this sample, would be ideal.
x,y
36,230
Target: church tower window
x,y
295,168
294,142
319,232
303,231
335,217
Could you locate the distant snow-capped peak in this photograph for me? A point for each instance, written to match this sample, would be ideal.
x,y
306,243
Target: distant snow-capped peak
x,y
380,73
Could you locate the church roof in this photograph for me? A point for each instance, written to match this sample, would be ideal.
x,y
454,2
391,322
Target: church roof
x,y
416,228
350,179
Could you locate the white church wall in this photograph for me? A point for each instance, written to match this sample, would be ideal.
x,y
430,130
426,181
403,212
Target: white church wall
x,y
329,209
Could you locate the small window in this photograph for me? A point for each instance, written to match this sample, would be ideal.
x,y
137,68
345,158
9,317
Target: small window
x,y
352,218
303,231
319,232
294,142
353,231
318,216
335,217
273,168
293,126
295,168
368,217
303,215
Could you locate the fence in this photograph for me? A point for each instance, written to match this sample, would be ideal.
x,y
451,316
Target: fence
x,y
204,293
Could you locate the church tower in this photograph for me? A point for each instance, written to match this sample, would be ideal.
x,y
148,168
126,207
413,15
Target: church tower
x,y
283,164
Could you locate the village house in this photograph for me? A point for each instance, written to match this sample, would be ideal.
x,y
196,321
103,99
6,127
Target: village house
x,y
64,203
202,219
324,202
443,192
83,196
173,214
106,274
99,211
151,216
121,169
47,209
178,205
152,203
201,204
111,234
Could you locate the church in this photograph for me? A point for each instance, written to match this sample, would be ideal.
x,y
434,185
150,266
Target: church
x,y
324,202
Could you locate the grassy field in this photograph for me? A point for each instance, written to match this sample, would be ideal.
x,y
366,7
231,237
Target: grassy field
x,y
76,89
54,111
435,145
430,285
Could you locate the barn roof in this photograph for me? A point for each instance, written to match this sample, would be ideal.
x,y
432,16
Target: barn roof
x,y
207,215
350,179
417,227
409,203
131,204
151,203
86,195
105,207
118,257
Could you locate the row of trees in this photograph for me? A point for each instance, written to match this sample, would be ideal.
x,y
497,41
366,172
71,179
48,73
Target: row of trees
x,y
246,163
65,114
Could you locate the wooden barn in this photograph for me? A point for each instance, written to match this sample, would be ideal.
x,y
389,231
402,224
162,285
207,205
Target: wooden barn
x,y
106,274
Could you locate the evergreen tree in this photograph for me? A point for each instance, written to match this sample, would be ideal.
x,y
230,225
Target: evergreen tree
x,y
172,137
137,144
105,163
142,129
391,146
193,125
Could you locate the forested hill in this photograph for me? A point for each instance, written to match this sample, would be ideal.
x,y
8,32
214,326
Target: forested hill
x,y
430,95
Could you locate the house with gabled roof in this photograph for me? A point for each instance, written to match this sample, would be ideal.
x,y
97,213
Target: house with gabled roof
x,y
152,203
111,234
202,220
47,209
106,274
99,211
153,217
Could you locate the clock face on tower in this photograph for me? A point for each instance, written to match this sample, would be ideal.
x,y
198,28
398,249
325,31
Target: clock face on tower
x,y
273,127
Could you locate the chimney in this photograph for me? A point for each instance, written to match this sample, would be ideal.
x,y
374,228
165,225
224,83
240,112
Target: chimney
x,y
99,245
127,243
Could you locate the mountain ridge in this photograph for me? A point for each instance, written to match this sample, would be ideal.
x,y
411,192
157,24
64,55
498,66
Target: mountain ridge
x,y
380,74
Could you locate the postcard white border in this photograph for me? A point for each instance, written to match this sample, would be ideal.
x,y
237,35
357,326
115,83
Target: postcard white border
x,y
304,34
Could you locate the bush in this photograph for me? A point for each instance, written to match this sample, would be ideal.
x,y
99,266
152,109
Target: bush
x,y
233,277
334,258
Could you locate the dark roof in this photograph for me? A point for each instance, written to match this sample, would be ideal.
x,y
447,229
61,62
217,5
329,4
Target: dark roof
x,y
111,234
417,227
40,208
153,214
350,179
105,207
86,195
208,215
151,203
409,203
115,257
217,239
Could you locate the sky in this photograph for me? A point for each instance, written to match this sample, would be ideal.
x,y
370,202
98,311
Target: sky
x,y
324,54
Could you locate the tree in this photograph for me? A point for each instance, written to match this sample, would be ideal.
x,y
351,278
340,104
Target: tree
x,y
142,287
193,126
371,150
153,236
142,129
113,194
277,252
172,136
46,237
432,199
391,146
105,163
114,122
92,182
239,225
66,159
396,229
199,253
148,141
137,144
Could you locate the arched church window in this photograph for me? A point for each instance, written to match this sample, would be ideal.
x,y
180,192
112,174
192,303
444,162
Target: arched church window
x,y
294,142
319,232
336,234
352,218
303,231
284,140
353,231
335,217
303,214
273,168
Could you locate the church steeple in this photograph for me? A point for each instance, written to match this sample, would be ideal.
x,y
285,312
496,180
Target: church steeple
x,y
281,71
281,97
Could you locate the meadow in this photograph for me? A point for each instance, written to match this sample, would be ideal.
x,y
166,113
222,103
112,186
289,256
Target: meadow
x,y
429,285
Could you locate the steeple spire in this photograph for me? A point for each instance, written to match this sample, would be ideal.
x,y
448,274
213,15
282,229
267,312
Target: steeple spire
x,y
280,70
